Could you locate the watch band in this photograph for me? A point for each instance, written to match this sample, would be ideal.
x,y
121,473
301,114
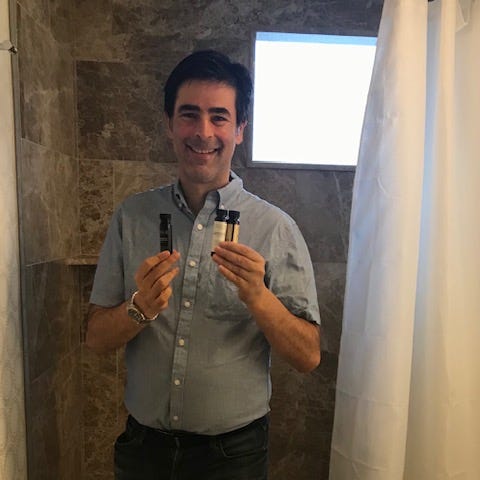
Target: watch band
x,y
136,314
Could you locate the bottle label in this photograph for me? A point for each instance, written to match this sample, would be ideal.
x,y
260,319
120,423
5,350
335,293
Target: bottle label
x,y
235,233
219,232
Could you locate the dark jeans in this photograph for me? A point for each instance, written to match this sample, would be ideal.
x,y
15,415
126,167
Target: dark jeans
x,y
143,453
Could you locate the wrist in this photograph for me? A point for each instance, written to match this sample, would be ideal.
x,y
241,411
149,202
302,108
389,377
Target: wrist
x,y
137,313
259,302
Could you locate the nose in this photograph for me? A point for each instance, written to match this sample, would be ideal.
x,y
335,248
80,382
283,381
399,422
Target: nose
x,y
204,128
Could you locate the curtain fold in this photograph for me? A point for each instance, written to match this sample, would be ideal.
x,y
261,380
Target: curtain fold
x,y
408,384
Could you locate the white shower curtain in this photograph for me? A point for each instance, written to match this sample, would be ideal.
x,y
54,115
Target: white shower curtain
x,y
408,387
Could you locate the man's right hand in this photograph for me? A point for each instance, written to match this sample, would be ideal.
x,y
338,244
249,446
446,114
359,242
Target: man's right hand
x,y
110,328
153,279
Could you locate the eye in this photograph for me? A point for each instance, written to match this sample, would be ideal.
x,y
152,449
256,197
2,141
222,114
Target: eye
x,y
188,115
219,119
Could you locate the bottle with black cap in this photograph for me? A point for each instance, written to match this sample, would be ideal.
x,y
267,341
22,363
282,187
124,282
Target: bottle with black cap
x,y
219,228
166,232
233,226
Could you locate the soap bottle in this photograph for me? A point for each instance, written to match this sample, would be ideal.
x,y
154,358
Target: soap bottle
x,y
233,226
219,228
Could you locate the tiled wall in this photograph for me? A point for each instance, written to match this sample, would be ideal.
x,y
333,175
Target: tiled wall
x,y
47,171
124,52
13,459
91,78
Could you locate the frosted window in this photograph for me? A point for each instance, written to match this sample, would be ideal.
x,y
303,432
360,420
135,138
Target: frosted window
x,y
310,97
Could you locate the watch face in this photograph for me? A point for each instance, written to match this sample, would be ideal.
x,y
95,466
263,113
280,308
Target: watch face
x,y
135,314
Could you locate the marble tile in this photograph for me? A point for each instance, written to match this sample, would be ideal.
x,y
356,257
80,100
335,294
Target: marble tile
x,y
37,9
54,421
86,276
52,315
96,202
330,281
120,111
61,21
134,177
104,412
147,31
46,87
276,186
99,442
100,388
49,217
344,183
94,38
319,215
302,409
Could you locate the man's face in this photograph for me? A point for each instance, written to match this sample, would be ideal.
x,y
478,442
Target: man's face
x,y
204,132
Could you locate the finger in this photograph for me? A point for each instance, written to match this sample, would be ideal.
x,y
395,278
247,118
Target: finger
x,y
231,276
235,261
161,302
153,300
154,267
150,293
160,270
149,263
240,249
164,281
238,270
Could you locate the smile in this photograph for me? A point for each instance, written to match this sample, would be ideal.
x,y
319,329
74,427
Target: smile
x,y
204,152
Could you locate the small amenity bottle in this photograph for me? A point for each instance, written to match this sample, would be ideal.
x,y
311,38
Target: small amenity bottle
x,y
233,226
166,232
219,228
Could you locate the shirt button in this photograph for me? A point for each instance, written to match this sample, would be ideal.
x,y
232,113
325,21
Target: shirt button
x,y
192,263
181,342
199,226
177,382
187,304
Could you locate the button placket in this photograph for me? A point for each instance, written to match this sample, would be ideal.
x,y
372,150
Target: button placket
x,y
187,296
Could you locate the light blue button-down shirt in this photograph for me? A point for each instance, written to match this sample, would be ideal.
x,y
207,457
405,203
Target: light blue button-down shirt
x,y
203,365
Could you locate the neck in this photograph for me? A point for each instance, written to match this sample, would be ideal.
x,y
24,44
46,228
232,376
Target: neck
x,y
195,195
195,198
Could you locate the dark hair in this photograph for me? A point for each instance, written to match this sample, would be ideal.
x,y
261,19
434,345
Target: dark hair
x,y
214,66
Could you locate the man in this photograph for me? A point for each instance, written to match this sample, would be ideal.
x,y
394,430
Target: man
x,y
198,327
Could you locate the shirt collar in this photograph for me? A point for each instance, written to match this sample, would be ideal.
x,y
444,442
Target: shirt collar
x,y
225,195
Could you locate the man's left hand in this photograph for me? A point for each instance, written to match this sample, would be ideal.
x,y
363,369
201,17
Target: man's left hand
x,y
244,267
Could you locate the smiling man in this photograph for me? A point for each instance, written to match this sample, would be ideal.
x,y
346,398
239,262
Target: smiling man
x,y
199,327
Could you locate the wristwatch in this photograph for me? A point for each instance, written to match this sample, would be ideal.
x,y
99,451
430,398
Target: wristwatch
x,y
135,313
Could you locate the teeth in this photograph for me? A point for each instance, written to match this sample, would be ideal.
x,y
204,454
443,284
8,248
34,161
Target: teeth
x,y
202,151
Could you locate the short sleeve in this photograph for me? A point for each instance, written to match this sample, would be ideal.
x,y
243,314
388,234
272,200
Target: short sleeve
x,y
108,286
289,272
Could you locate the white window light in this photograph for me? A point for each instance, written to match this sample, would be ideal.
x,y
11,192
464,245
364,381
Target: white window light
x,y
310,97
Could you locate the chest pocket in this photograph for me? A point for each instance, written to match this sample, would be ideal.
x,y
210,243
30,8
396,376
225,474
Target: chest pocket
x,y
223,302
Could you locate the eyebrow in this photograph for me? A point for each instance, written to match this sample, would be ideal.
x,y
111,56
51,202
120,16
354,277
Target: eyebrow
x,y
195,108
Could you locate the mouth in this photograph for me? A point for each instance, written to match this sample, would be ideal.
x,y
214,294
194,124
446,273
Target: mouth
x,y
202,151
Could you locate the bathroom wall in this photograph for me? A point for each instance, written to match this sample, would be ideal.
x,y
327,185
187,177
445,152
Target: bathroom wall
x,y
47,171
124,50
13,448
91,132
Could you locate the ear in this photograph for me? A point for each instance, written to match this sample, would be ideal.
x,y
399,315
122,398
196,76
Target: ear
x,y
168,125
239,133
